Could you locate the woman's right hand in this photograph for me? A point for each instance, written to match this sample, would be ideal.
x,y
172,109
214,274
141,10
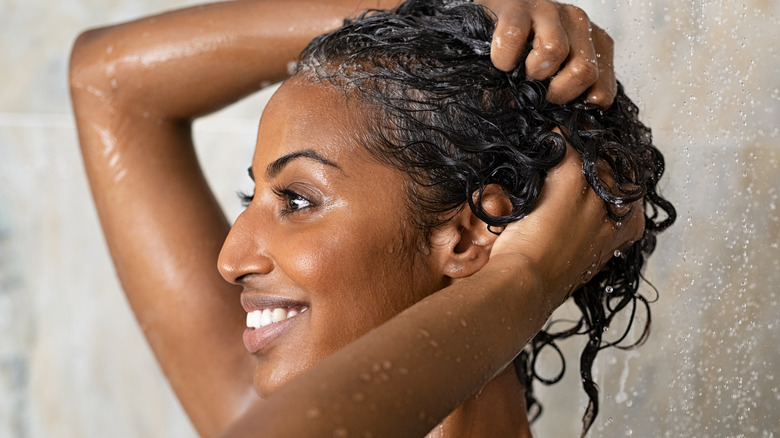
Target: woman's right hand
x,y
568,237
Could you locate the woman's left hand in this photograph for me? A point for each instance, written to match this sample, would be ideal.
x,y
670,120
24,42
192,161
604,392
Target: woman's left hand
x,y
568,237
566,44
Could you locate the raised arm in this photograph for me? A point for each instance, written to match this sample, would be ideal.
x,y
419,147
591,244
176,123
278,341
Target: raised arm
x,y
404,377
135,89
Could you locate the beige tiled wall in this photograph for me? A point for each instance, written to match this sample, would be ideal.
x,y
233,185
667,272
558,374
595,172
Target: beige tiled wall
x,y
705,74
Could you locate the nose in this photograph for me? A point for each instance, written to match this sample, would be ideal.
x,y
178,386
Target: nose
x,y
244,253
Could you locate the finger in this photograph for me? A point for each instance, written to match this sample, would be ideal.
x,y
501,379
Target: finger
x,y
551,43
603,92
509,38
632,228
564,180
581,69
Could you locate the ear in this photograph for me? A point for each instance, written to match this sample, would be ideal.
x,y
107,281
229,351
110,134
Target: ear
x,y
462,246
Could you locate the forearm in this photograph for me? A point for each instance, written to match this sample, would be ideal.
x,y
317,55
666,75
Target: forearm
x,y
404,377
188,62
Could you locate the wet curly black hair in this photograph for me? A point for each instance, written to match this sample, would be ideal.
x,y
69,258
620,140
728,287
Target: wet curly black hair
x,y
441,112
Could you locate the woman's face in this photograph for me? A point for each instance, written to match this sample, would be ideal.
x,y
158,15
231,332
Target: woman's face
x,y
324,248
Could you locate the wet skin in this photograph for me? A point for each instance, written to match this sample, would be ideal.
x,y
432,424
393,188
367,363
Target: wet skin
x,y
326,231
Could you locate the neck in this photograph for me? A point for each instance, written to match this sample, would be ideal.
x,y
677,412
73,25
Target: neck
x,y
498,409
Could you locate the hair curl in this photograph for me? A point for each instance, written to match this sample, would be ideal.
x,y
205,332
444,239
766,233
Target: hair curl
x,y
443,114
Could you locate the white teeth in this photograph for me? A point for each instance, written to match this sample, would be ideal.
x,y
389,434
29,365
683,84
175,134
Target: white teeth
x,y
265,317
261,318
278,315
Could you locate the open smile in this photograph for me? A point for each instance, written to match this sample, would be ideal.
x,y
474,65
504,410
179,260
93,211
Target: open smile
x,y
265,325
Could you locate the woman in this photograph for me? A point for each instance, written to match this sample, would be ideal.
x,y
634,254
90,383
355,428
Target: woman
x,y
373,307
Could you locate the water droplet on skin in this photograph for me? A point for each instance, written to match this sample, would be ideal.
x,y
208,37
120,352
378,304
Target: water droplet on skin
x,y
313,413
341,432
365,377
434,344
425,333
619,224
463,322
358,397
291,67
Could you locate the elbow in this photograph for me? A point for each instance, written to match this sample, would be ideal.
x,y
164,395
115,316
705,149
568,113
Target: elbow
x,y
92,68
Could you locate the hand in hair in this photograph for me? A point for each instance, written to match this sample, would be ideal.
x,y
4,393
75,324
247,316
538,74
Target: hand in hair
x,y
548,240
565,44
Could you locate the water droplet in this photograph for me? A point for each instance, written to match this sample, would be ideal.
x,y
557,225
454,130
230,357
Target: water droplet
x,y
341,432
434,344
313,413
608,289
387,364
463,323
358,396
617,253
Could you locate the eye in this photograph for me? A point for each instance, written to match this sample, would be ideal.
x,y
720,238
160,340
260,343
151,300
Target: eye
x,y
292,201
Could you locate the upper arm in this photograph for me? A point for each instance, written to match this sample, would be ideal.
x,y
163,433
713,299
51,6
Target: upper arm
x,y
164,230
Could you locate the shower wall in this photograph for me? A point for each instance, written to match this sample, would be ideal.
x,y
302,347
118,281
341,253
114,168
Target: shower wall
x,y
705,75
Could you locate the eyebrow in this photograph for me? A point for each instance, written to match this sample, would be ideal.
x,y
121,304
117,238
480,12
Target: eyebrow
x,y
275,167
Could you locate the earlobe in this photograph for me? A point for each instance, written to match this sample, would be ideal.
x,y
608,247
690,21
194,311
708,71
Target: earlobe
x,y
463,244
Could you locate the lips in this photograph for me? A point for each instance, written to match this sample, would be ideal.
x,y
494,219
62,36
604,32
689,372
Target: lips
x,y
267,318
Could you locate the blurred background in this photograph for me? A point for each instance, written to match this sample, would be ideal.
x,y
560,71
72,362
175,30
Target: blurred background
x,y
706,76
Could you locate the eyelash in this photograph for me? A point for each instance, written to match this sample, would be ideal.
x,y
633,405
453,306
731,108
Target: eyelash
x,y
283,194
245,198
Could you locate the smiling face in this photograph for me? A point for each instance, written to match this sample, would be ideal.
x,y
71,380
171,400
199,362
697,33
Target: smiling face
x,y
324,248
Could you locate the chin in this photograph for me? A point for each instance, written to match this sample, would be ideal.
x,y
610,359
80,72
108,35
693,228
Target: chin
x,y
268,379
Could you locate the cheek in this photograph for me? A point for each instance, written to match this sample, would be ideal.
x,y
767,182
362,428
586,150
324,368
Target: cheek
x,y
367,273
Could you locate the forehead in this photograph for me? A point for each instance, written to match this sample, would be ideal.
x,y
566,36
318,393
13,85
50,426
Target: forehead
x,y
308,116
